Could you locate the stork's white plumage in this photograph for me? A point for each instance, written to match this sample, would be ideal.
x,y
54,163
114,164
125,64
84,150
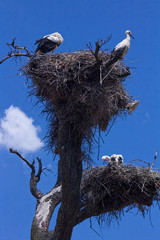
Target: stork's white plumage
x,y
106,158
132,106
115,158
49,43
124,45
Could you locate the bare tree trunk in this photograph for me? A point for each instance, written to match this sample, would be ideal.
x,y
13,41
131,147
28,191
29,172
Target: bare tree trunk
x,y
69,142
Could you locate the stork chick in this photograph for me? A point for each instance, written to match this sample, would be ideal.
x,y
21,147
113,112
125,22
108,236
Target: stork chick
x,y
115,158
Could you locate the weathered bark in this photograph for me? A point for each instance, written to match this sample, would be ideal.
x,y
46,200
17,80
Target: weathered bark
x,y
71,166
44,210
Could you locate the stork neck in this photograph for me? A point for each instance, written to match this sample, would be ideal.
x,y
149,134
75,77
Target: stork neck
x,y
128,37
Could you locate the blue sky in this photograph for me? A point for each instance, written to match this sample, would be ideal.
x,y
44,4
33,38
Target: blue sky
x,y
137,136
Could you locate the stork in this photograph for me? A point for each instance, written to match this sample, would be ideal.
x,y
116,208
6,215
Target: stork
x,y
124,45
49,43
115,158
132,106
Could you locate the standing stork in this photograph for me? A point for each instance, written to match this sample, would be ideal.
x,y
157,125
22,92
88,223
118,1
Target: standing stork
x,y
123,46
49,43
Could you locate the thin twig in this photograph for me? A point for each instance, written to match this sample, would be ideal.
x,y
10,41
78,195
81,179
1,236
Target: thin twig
x,y
26,161
101,81
15,51
114,119
93,228
155,156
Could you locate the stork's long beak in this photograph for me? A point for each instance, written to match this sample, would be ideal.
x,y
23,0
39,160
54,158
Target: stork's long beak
x,y
106,158
131,36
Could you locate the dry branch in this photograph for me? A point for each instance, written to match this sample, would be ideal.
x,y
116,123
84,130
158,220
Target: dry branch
x,y
25,160
98,45
16,51
34,178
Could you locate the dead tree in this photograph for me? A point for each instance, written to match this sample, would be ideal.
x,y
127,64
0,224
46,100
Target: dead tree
x,y
82,91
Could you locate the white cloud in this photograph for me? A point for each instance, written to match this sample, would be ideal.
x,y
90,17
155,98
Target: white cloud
x,y
17,131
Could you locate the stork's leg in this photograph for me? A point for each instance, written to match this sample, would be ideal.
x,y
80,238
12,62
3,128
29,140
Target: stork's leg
x,y
54,49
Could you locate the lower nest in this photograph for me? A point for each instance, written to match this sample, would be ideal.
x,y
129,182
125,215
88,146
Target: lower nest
x,y
113,187
90,92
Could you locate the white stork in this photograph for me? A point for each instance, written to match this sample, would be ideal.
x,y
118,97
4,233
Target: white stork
x,y
115,158
49,43
132,106
124,45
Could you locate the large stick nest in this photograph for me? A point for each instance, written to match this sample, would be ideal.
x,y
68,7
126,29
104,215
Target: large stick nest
x,y
83,89
113,187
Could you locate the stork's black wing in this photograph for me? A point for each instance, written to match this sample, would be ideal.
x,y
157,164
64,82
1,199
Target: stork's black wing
x,y
45,45
37,41
118,52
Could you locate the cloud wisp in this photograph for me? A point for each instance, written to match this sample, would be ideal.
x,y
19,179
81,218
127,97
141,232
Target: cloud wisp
x,y
17,131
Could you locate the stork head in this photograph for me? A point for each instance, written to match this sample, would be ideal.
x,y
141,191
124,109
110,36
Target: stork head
x,y
106,158
117,158
120,158
58,35
128,32
114,158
